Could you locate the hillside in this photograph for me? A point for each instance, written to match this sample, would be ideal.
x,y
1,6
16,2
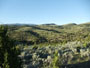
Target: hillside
x,y
36,34
51,45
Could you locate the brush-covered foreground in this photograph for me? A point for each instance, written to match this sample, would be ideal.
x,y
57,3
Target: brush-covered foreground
x,y
58,56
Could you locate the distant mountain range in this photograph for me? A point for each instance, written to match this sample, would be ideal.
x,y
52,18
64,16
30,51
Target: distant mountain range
x,y
19,24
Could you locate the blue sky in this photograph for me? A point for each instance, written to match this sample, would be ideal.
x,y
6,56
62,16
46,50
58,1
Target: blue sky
x,y
44,11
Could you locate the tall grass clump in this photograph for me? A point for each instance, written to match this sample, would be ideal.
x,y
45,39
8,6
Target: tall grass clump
x,y
55,60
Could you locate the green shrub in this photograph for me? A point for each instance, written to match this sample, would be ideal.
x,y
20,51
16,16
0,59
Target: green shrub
x,y
55,60
8,52
85,44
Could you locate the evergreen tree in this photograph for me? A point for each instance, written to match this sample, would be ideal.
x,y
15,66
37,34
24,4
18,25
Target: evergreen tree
x,y
8,52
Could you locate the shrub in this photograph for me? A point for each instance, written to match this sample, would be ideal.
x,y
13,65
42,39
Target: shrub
x,y
8,52
55,60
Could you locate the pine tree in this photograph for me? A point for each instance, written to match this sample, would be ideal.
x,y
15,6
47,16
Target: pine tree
x,y
8,52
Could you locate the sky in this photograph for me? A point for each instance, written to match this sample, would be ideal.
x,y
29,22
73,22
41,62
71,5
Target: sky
x,y
44,11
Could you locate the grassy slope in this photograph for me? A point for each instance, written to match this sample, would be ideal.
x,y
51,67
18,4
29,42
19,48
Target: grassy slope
x,y
50,33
